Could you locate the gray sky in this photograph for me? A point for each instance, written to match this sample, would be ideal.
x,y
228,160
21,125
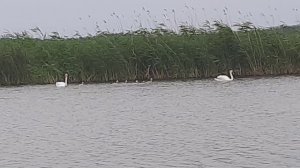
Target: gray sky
x,y
67,16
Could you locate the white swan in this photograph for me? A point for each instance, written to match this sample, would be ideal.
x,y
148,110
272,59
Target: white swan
x,y
81,84
62,84
150,81
224,77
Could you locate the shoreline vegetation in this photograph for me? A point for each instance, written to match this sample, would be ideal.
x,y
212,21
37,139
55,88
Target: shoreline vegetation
x,y
160,53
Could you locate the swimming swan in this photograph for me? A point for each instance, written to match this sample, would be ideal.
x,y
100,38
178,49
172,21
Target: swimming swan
x,y
62,84
81,84
224,77
150,81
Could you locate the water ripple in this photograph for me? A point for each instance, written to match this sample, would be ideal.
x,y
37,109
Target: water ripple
x,y
244,123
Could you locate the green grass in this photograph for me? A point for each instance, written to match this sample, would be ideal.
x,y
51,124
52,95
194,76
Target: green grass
x,y
158,53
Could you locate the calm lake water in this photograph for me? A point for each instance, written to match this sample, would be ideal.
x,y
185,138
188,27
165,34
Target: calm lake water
x,y
203,123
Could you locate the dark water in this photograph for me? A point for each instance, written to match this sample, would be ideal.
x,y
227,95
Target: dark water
x,y
244,123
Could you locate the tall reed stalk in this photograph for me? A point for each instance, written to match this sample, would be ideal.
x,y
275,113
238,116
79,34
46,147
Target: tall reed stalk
x,y
160,53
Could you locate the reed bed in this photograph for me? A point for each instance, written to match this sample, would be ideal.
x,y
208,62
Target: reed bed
x,y
158,53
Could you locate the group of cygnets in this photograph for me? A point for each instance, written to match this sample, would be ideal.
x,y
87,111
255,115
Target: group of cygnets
x,y
136,81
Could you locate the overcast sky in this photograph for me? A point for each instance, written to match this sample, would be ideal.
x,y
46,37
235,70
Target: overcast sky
x,y
69,16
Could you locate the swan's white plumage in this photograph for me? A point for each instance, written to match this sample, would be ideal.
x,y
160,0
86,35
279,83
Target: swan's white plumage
x,y
81,84
151,80
224,77
62,84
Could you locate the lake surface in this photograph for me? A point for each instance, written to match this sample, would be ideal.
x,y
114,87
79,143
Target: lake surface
x,y
250,123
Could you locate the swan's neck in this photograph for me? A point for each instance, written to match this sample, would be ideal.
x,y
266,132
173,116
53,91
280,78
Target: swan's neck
x,y
66,80
231,76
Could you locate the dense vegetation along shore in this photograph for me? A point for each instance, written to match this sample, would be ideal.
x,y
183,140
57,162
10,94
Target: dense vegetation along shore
x,y
158,53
